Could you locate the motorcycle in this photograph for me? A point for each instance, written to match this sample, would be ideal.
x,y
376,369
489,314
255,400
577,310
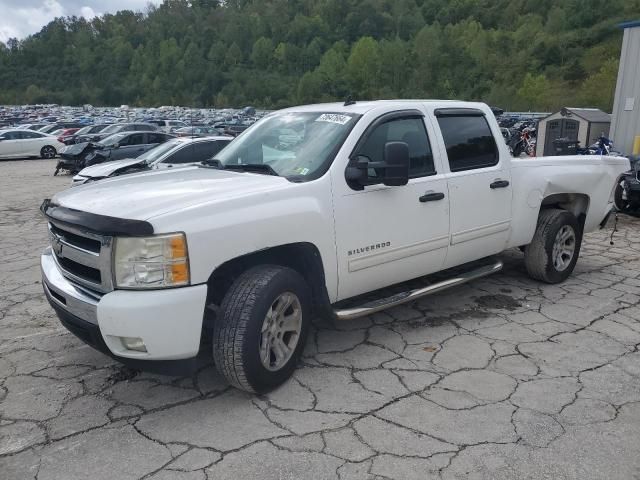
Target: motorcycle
x,y
604,146
626,197
525,143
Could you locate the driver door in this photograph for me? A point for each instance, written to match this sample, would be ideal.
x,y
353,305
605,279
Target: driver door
x,y
11,146
386,235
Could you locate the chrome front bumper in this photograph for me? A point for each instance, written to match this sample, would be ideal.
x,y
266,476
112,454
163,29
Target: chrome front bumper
x,y
77,301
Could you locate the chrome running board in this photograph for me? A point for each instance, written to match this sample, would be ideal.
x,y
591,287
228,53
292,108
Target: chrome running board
x,y
404,297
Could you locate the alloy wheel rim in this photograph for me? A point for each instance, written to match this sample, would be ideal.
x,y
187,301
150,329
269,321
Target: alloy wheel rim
x,y
280,331
564,247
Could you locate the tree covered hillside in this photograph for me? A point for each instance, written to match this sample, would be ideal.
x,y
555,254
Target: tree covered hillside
x,y
518,54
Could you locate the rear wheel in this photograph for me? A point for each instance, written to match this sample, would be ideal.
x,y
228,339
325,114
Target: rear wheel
x,y
260,331
618,198
552,254
48,152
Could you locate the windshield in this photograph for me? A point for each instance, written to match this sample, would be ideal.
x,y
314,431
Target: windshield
x,y
112,139
98,128
296,145
84,130
155,153
111,128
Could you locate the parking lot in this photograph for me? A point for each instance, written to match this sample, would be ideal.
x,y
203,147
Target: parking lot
x,y
503,378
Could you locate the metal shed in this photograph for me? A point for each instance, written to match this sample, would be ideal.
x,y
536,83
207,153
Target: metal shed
x,y
626,106
582,124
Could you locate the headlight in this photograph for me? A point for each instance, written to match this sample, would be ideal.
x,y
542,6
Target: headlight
x,y
151,262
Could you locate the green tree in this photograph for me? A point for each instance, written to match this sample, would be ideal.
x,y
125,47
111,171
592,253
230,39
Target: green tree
x,y
531,54
598,89
262,53
533,91
363,66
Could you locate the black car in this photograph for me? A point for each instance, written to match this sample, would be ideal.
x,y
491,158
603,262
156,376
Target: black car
x,y
116,128
114,147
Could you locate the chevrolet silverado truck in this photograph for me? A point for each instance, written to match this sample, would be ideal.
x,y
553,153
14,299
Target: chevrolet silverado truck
x,y
311,211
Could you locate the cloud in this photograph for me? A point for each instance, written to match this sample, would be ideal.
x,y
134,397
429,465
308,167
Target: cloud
x,y
87,12
19,18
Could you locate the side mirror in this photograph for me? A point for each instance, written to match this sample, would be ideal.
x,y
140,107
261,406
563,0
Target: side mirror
x,y
393,171
116,145
396,156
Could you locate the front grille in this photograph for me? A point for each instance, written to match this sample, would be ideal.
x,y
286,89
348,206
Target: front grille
x,y
82,271
77,240
83,257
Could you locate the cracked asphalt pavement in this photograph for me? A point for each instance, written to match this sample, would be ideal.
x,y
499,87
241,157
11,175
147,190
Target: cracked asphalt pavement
x,y
503,378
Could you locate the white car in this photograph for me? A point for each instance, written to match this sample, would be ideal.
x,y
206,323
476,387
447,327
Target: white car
x,y
247,248
21,143
168,126
173,153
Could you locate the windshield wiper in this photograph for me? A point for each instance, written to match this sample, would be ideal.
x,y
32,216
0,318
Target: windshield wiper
x,y
245,167
252,167
213,162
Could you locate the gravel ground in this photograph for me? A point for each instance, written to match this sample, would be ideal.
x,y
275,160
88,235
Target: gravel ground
x,y
503,378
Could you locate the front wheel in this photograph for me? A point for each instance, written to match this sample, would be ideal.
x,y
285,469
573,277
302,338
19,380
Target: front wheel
x,y
261,327
48,152
552,254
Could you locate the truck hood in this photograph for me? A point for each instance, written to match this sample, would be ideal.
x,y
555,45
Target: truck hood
x,y
105,169
150,194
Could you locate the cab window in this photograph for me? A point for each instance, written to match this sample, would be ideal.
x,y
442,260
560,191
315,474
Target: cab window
x,y
410,130
469,142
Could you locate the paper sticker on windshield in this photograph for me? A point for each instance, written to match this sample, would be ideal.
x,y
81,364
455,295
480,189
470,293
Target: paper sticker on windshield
x,y
334,118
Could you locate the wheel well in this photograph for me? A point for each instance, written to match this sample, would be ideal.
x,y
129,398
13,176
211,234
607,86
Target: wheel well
x,y
302,257
576,203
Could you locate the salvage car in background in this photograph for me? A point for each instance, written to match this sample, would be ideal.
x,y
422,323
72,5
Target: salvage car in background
x,y
74,158
168,126
88,130
175,152
200,131
117,128
125,145
18,143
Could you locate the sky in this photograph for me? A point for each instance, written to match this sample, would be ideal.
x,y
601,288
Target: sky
x,y
19,18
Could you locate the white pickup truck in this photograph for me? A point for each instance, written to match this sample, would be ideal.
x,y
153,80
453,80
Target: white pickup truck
x,y
305,212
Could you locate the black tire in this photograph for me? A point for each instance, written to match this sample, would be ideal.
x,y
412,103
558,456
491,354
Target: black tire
x,y
48,152
539,254
237,328
618,201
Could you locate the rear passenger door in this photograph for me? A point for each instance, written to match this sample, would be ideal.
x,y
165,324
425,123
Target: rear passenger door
x,y
131,146
479,185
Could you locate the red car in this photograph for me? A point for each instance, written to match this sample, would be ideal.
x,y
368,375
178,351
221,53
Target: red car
x,y
67,132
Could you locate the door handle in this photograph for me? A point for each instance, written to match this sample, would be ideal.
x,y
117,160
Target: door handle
x,y
499,184
431,197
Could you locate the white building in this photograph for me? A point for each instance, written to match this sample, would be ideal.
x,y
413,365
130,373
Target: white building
x,y
625,123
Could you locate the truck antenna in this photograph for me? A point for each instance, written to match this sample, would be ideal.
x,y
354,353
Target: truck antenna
x,y
349,101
